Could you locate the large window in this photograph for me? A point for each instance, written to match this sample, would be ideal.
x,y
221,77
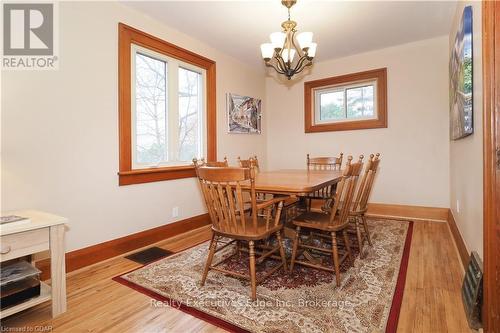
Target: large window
x,y
354,101
167,109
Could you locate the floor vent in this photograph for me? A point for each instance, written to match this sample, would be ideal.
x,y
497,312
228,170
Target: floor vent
x,y
149,255
472,291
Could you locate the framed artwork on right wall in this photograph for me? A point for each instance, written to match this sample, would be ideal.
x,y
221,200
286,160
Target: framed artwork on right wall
x,y
461,99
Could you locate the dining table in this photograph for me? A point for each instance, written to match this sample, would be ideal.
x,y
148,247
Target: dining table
x,y
294,182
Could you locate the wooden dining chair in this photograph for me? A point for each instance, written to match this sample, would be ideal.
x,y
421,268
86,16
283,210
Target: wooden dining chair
x,y
289,204
252,161
222,163
360,204
333,223
222,190
322,163
248,163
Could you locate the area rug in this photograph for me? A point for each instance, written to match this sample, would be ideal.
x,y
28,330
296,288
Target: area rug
x,y
305,300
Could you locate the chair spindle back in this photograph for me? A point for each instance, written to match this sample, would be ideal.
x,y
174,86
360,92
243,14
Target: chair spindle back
x,y
345,191
366,184
248,163
324,163
222,190
218,164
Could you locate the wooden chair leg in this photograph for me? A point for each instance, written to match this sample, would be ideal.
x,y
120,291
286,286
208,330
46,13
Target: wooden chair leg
x,y
282,250
253,280
335,257
347,244
358,234
211,252
238,249
295,246
367,233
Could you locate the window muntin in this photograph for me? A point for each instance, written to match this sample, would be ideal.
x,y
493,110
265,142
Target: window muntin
x,y
352,102
168,110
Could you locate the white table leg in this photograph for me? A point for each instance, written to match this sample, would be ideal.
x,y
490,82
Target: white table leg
x,y
57,269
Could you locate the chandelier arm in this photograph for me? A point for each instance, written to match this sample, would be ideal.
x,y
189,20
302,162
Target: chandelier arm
x,y
300,70
278,64
281,64
299,67
275,68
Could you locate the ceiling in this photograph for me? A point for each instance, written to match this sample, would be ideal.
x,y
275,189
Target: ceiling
x,y
340,28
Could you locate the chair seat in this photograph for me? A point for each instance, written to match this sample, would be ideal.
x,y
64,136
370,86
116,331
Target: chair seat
x,y
352,211
287,202
357,212
290,201
317,220
261,232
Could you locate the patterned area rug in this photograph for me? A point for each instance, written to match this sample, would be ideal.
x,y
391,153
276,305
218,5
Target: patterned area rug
x,y
305,300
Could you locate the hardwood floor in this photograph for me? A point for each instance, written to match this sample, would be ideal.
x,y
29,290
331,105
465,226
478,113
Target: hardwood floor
x,y
431,303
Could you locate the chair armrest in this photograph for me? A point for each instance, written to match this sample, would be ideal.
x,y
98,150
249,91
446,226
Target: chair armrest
x,y
271,202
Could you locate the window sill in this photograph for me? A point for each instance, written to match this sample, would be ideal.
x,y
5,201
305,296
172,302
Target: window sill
x,y
347,125
140,176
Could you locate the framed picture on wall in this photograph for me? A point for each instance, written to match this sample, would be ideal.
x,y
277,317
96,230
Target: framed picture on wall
x,y
461,101
243,114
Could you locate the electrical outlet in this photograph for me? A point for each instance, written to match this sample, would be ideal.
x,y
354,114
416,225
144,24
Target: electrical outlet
x,y
175,212
458,206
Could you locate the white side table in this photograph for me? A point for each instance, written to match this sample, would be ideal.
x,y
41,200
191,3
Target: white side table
x,y
44,232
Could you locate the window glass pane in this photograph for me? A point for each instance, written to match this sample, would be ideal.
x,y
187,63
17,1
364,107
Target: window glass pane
x,y
190,107
332,105
360,102
151,110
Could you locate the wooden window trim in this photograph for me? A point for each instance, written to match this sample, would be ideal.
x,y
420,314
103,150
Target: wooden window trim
x,y
491,101
126,37
381,122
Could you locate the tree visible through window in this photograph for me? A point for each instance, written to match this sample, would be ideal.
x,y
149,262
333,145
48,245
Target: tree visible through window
x,y
151,110
346,102
167,108
189,114
168,117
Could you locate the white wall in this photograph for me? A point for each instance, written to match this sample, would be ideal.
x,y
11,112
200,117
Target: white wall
x,y
415,146
466,155
60,130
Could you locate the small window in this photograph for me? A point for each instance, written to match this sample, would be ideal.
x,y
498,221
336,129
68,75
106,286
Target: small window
x,y
355,101
167,108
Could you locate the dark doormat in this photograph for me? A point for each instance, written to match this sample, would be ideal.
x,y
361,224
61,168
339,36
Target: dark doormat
x,y
149,255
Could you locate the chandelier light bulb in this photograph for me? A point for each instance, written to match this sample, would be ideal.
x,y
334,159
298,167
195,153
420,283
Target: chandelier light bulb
x,y
267,50
305,39
311,52
278,39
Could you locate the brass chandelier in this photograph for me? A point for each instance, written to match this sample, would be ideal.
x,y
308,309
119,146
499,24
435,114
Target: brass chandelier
x,y
280,53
